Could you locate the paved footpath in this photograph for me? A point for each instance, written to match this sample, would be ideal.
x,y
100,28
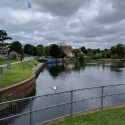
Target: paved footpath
x,y
35,68
13,63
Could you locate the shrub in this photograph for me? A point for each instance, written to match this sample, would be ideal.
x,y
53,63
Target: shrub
x,y
88,58
13,55
81,58
73,59
98,56
115,56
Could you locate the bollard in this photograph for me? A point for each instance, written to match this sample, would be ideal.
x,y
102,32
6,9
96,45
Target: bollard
x,y
71,103
1,71
102,97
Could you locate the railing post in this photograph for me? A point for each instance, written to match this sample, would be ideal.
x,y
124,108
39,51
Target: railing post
x,y
71,102
0,79
102,97
30,111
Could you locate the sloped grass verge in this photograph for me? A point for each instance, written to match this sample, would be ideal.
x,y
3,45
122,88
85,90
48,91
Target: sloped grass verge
x,y
114,116
18,73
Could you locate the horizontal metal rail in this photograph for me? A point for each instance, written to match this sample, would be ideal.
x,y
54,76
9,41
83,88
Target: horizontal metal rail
x,y
33,97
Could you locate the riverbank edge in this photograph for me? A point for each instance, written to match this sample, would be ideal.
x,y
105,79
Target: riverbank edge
x,y
110,60
21,89
85,113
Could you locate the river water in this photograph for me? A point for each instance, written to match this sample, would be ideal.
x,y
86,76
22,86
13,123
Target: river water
x,y
75,76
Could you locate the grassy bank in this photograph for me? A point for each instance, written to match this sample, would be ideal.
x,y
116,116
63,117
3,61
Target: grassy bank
x,y
17,73
109,60
106,117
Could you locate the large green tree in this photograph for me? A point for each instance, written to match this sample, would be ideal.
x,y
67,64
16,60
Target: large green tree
x,y
55,51
40,50
76,52
3,37
17,47
106,53
84,50
29,49
47,48
118,51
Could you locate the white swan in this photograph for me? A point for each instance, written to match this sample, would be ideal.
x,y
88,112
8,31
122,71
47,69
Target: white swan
x,y
54,87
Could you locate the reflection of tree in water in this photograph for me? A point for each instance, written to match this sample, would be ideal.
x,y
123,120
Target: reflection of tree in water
x,y
63,67
56,70
116,70
78,66
116,67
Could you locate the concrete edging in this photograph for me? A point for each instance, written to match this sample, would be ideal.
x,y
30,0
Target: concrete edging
x,y
38,68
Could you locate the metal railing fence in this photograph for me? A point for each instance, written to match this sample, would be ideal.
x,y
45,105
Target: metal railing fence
x,y
46,108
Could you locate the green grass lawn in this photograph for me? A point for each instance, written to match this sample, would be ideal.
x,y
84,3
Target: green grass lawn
x,y
17,73
114,116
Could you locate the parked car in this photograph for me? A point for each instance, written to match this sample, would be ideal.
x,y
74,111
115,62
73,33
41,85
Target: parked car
x,y
4,57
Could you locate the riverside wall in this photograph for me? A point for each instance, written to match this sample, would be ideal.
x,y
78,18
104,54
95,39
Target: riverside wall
x,y
21,89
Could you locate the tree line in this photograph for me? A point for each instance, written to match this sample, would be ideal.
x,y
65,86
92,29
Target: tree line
x,y
55,51
39,50
115,52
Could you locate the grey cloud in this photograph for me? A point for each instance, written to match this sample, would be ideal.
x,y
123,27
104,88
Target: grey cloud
x,y
59,7
15,4
75,22
111,12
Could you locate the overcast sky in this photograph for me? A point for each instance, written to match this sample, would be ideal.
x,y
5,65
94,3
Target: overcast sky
x,y
89,23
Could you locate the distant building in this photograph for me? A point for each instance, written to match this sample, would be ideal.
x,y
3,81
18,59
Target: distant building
x,y
67,50
4,50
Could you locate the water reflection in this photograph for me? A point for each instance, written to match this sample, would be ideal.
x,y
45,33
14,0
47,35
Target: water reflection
x,y
78,66
117,67
80,75
56,69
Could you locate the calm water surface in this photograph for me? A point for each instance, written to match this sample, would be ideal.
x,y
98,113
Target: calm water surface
x,y
75,76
